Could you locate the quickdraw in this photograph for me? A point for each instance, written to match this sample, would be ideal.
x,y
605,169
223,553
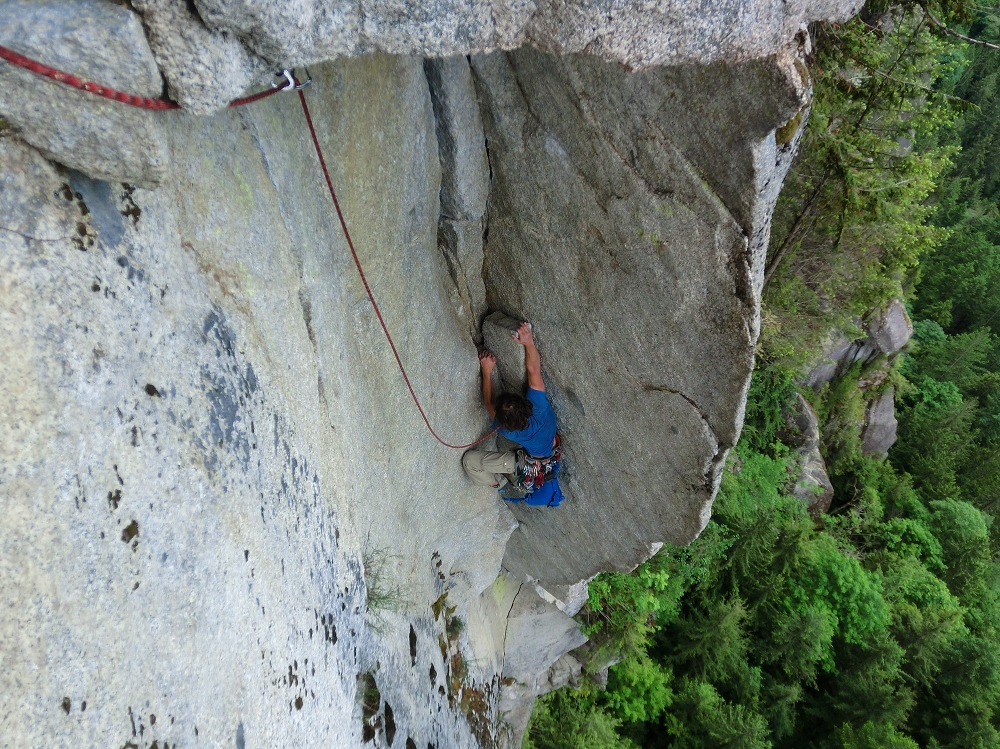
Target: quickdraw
x,y
532,472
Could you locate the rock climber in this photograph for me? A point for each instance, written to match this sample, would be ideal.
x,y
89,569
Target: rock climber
x,y
531,423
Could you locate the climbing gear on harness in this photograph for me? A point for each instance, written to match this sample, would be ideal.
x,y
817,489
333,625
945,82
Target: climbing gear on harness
x,y
532,472
292,82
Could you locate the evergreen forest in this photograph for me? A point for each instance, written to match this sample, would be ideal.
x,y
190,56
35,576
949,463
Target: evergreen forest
x,y
874,624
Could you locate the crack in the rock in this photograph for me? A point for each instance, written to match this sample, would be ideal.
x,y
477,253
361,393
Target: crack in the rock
x,y
506,626
30,238
254,132
649,387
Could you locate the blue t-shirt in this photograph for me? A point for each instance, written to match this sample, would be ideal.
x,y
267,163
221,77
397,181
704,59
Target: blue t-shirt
x,y
537,437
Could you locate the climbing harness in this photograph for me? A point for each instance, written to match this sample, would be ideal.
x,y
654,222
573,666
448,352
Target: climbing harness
x,y
531,472
290,83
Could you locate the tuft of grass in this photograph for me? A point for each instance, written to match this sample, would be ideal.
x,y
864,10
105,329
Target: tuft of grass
x,y
455,627
384,595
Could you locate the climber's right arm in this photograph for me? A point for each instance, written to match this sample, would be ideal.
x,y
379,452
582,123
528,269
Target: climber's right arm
x,y
532,359
486,363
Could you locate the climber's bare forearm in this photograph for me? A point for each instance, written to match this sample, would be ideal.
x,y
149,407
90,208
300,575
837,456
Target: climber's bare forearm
x,y
533,365
532,359
488,395
486,363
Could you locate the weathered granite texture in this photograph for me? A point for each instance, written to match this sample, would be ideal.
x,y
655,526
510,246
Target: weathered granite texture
x,y
97,40
202,430
632,258
464,182
637,33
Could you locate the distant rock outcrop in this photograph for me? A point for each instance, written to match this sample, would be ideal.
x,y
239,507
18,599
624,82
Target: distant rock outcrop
x,y
887,331
879,432
812,482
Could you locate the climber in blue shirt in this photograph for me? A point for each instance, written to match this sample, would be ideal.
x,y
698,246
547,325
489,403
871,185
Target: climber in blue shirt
x,y
527,420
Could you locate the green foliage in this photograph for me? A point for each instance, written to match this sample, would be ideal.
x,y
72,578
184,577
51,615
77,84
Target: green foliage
x,y
565,719
704,720
638,689
623,610
834,583
877,625
851,222
841,417
382,594
771,389
870,736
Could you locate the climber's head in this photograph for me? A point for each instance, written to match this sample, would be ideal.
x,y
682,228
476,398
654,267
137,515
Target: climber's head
x,y
513,412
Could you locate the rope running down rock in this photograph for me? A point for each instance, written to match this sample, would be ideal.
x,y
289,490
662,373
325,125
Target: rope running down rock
x,y
143,102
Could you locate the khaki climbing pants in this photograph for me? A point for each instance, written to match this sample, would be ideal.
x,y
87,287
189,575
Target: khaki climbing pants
x,y
486,467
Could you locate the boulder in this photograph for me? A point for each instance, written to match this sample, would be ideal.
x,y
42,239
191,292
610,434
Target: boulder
x,y
498,331
96,40
890,329
879,433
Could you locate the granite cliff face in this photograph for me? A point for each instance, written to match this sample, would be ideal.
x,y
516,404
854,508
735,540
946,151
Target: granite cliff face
x,y
224,521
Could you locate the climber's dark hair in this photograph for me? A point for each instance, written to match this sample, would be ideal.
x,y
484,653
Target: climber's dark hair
x,y
513,411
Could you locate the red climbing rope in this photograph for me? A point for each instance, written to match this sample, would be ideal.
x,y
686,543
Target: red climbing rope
x,y
364,280
142,102
145,103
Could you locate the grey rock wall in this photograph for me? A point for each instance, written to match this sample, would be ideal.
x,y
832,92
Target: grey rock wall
x,y
96,40
465,183
637,33
203,431
633,260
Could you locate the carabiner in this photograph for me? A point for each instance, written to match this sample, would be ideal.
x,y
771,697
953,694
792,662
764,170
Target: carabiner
x,y
306,82
287,75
